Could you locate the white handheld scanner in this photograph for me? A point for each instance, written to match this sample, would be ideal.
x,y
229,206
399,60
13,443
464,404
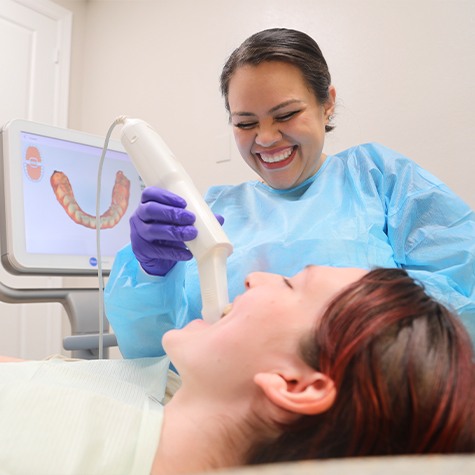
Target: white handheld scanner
x,y
158,166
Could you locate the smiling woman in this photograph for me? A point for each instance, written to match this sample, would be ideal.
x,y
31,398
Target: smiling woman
x,y
278,123
364,207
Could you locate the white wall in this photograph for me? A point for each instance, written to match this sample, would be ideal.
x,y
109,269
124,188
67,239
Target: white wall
x,y
404,72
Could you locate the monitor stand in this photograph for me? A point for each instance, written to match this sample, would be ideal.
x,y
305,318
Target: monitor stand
x,y
82,307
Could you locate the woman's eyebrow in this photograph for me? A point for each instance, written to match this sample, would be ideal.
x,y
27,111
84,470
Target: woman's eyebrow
x,y
285,104
271,111
242,114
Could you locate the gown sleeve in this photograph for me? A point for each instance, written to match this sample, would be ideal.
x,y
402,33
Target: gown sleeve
x,y
141,307
432,233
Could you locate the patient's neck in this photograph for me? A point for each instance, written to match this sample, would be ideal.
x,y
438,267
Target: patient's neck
x,y
198,436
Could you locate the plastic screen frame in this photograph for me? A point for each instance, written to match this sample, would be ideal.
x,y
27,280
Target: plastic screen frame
x,y
39,236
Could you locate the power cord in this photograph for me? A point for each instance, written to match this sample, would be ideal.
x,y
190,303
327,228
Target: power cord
x,y
119,120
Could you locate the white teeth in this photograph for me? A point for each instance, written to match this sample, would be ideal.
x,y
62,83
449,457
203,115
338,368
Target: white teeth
x,y
278,157
227,309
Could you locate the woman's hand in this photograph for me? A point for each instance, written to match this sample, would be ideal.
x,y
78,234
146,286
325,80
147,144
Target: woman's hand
x,y
158,229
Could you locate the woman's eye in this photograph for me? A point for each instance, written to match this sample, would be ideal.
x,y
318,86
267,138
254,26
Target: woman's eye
x,y
283,118
288,284
245,125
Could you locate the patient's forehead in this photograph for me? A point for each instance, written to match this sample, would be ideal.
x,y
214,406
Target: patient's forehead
x,y
345,274
332,279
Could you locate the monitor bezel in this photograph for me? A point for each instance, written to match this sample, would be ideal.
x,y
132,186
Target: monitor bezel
x,y
14,255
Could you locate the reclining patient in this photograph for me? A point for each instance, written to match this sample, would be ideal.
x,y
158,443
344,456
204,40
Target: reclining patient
x,y
328,363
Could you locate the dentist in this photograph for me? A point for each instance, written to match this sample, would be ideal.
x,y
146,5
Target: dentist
x,y
364,207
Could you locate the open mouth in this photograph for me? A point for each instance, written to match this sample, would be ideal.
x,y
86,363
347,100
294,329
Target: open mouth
x,y
279,159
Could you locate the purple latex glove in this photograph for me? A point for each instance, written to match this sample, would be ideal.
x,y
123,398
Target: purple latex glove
x,y
158,228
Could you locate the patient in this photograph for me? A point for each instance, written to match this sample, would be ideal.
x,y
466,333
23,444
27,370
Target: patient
x,y
328,363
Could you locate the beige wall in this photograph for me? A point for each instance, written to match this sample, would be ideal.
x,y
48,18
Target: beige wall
x,y
404,72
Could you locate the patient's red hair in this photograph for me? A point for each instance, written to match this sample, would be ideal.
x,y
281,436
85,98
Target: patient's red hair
x,y
404,372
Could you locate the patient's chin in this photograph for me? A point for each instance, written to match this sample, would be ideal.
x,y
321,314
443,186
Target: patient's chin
x,y
178,341
167,340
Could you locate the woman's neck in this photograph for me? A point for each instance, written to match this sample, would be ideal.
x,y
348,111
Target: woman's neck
x,y
197,437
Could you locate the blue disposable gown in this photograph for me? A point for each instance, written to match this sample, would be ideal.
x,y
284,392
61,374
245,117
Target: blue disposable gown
x,y
365,207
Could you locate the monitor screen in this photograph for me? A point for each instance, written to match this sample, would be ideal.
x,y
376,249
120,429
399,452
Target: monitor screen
x,y
48,209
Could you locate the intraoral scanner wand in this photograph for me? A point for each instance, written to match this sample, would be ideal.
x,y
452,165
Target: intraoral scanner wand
x,y
158,166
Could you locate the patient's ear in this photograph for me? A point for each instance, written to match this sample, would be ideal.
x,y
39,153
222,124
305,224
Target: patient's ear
x,y
310,395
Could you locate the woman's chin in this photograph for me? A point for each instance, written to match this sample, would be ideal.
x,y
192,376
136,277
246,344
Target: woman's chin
x,y
178,336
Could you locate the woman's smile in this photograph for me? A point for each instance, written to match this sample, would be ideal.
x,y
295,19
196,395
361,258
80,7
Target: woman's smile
x,y
277,158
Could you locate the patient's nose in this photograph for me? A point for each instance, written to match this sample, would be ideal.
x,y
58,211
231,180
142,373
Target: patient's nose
x,y
259,278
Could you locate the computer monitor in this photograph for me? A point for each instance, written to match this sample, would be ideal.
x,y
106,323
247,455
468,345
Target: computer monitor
x,y
48,182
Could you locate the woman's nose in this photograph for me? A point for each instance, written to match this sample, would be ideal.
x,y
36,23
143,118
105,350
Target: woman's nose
x,y
268,135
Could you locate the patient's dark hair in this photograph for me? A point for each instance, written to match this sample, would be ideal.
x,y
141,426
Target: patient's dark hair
x,y
404,371
285,45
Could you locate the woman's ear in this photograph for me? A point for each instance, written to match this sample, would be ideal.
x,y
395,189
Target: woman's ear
x,y
331,101
312,394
